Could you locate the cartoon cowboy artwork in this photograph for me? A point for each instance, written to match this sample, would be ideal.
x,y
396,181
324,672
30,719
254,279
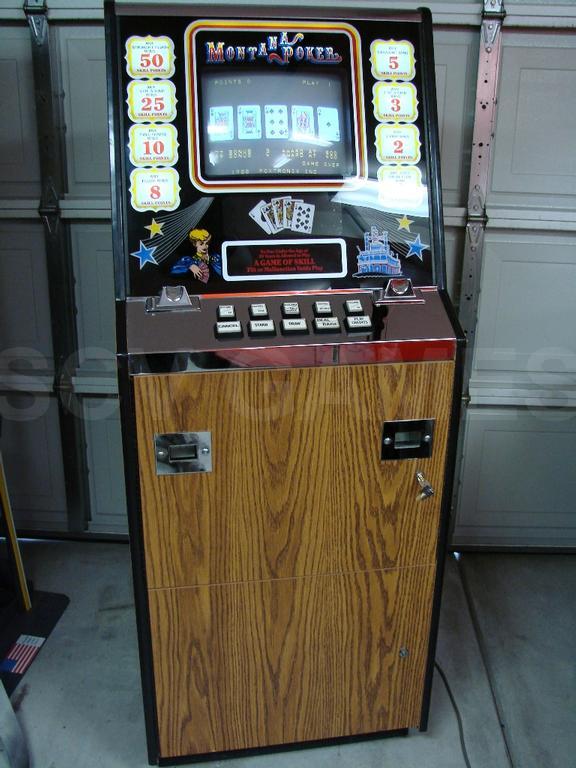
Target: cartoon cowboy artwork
x,y
203,261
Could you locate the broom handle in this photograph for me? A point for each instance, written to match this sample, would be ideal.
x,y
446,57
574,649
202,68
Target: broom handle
x,y
6,513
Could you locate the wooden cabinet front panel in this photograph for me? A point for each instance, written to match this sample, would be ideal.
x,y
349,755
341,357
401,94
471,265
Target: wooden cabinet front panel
x,y
263,663
298,486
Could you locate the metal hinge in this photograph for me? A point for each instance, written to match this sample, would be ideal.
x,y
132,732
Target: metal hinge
x,y
49,208
493,8
474,230
490,30
493,14
36,12
476,206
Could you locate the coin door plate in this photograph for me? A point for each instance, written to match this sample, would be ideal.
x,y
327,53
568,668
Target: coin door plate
x,y
407,439
183,452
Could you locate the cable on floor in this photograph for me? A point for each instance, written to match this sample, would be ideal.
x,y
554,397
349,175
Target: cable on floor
x,y
457,713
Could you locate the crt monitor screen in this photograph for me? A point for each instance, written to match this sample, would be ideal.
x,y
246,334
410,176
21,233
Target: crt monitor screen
x,y
282,125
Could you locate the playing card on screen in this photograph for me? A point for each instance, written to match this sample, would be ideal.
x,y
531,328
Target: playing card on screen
x,y
221,124
249,122
302,123
276,121
328,124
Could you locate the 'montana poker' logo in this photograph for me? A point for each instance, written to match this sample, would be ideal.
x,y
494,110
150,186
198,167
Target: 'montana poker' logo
x,y
276,49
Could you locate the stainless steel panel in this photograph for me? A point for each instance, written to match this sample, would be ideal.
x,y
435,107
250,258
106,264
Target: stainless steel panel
x,y
183,453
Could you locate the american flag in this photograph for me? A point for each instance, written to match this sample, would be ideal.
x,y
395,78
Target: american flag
x,y
20,656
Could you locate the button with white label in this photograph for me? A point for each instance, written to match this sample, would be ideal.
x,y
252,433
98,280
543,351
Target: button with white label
x,y
326,325
290,309
261,328
294,325
359,323
353,307
226,312
258,310
322,308
229,330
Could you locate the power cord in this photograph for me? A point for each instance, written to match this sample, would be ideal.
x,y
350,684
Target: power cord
x,y
456,712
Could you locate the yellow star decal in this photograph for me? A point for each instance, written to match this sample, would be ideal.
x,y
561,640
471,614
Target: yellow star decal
x,y
155,228
404,223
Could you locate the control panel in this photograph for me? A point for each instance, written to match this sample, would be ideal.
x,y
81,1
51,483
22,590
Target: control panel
x,y
308,316
177,322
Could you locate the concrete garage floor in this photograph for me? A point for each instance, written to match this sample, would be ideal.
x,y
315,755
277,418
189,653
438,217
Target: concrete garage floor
x,y
508,653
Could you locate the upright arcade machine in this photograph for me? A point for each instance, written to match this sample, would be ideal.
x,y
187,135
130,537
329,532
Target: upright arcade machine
x,y
288,365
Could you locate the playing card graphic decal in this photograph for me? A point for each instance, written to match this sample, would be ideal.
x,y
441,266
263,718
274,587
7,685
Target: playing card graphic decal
x,y
284,213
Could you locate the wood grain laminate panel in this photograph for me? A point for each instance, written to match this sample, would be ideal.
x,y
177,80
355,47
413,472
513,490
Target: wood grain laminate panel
x,y
297,485
282,661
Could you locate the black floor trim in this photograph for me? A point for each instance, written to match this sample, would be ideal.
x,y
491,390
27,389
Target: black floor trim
x,y
186,760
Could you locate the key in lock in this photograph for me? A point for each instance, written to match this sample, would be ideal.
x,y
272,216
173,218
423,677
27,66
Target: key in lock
x,y
427,489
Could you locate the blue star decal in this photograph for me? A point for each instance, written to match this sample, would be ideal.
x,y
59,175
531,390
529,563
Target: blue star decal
x,y
416,248
145,255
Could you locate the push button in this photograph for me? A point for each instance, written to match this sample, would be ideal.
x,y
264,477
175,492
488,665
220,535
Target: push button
x,y
226,312
353,307
296,325
261,328
322,308
326,324
258,310
290,309
229,330
358,323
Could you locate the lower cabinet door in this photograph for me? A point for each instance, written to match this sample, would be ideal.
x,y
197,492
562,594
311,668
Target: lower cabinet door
x,y
259,663
297,485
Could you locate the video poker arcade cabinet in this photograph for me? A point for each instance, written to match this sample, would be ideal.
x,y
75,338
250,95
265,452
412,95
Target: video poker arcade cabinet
x,y
288,365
